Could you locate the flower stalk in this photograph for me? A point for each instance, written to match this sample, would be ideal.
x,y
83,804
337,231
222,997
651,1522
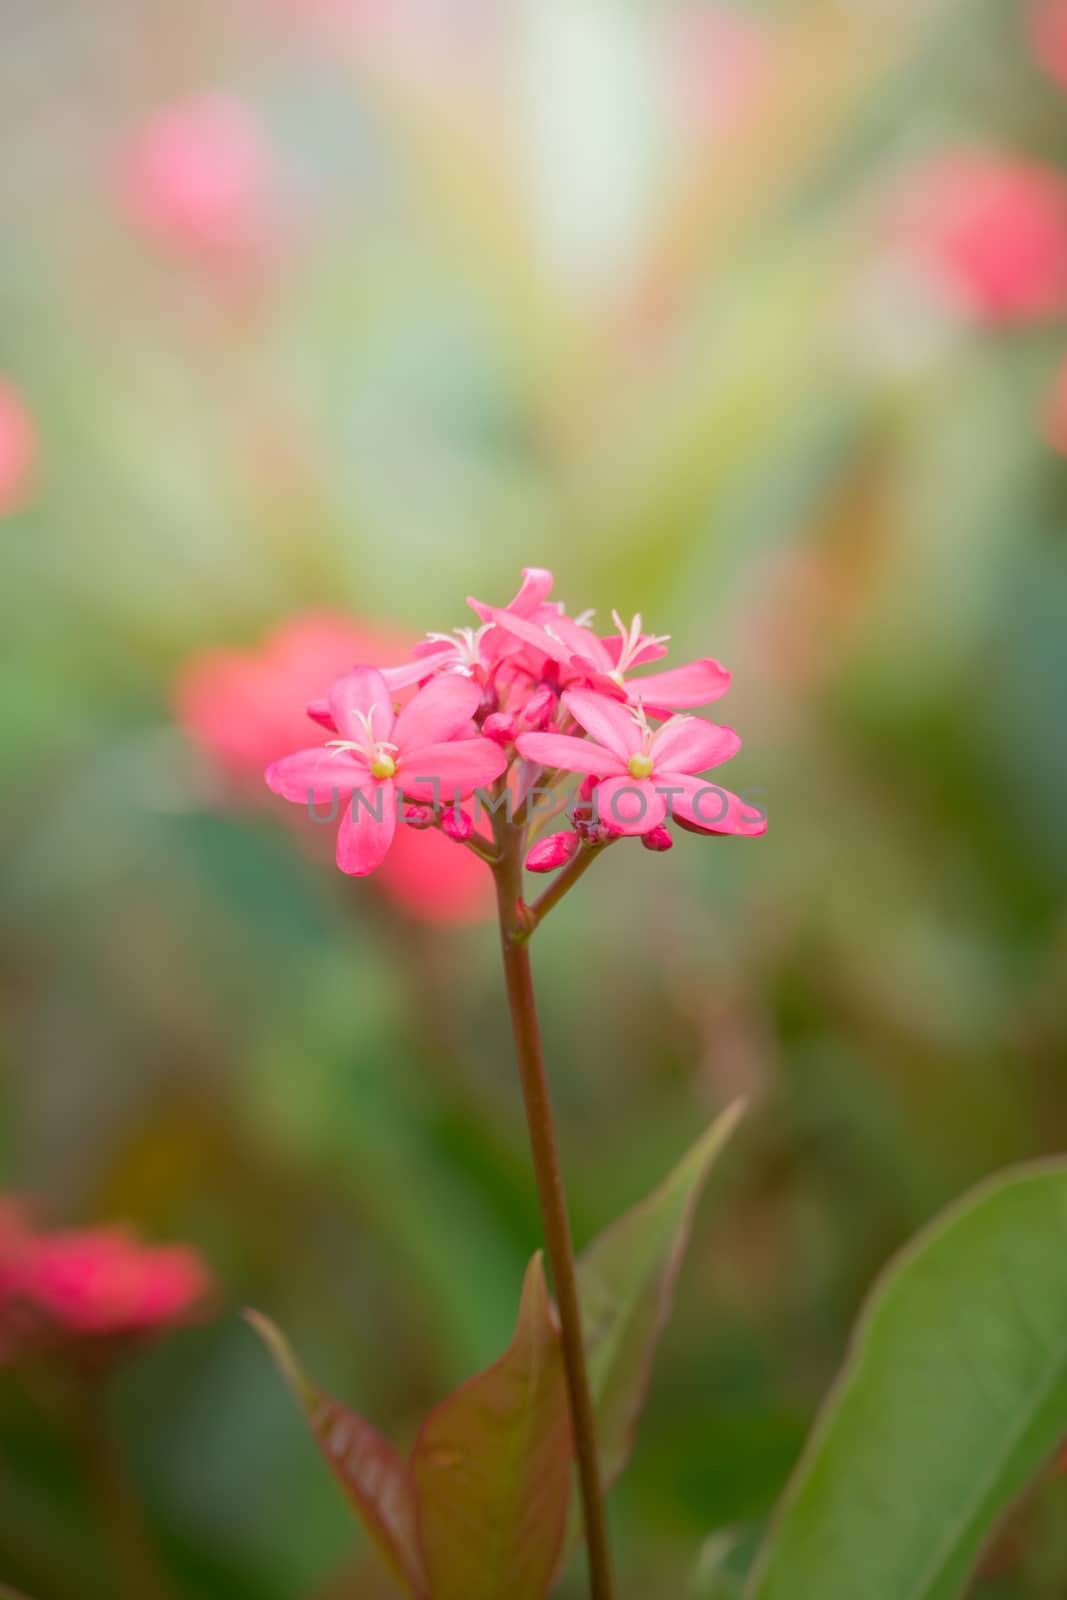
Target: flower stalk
x,y
515,931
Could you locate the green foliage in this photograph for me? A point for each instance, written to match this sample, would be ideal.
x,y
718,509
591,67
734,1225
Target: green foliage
x,y
954,1396
626,1280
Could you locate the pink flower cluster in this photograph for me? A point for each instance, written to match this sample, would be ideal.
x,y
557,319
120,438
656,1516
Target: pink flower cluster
x,y
513,705
90,1283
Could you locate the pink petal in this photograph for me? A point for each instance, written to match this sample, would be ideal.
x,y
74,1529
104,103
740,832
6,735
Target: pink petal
x,y
536,587
569,754
438,712
361,693
629,805
711,809
428,658
534,591
606,720
598,678
367,829
579,640
458,766
688,744
531,634
696,684
315,776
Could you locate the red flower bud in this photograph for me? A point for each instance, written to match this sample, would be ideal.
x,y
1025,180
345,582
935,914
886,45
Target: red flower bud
x,y
538,711
658,839
457,825
555,851
419,816
500,728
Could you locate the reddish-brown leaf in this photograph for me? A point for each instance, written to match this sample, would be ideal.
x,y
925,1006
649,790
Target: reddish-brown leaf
x,y
376,1480
492,1468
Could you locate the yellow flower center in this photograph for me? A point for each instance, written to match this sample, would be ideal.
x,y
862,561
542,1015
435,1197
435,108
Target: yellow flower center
x,y
640,766
383,765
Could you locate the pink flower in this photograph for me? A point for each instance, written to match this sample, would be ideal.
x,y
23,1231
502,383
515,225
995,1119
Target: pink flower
x,y
644,776
1047,28
247,708
90,1282
991,231
427,752
18,450
197,179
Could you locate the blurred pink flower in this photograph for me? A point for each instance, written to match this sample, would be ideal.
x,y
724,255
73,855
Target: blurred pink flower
x,y
1056,412
724,60
18,449
991,230
90,1282
1047,28
644,776
197,179
430,752
247,709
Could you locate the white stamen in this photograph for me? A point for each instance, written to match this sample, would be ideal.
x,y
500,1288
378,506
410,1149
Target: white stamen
x,y
633,640
465,644
369,746
638,714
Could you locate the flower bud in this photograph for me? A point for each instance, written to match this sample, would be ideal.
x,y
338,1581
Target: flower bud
x,y
457,825
555,851
538,711
658,839
500,728
319,711
419,817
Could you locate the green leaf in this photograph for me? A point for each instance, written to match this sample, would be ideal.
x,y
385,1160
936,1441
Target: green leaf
x,y
373,1476
954,1395
626,1283
492,1468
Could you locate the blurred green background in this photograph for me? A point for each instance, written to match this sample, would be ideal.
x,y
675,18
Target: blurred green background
x,y
601,285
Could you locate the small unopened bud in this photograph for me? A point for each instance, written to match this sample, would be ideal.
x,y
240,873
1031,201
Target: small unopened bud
x,y
500,728
419,816
319,711
538,711
457,825
658,838
555,851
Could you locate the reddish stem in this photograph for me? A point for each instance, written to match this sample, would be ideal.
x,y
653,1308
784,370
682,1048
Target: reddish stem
x,y
514,934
